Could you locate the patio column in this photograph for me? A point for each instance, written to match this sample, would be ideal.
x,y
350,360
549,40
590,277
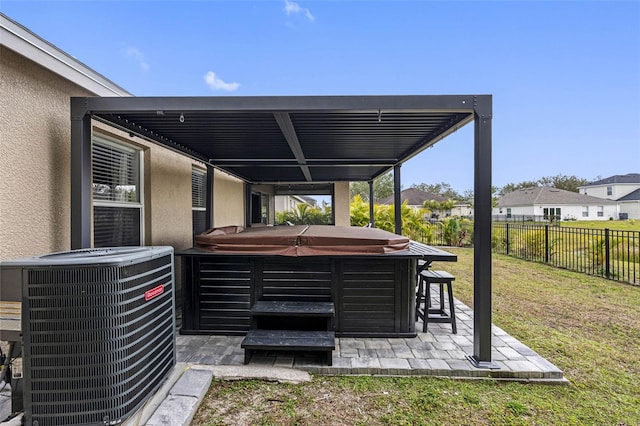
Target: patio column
x,y
247,205
371,221
80,175
397,199
482,234
208,197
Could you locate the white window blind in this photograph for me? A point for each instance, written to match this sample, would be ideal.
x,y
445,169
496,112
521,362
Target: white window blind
x,y
117,194
198,200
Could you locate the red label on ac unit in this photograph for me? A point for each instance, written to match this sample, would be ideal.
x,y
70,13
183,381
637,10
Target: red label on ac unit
x,y
154,292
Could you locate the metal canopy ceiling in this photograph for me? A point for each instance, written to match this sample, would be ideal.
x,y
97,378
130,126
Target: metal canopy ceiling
x,y
291,139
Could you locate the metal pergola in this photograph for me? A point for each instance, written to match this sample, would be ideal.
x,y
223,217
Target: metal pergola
x,y
301,140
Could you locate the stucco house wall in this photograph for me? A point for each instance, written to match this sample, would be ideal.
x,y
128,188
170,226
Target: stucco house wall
x,y
515,210
35,165
631,208
35,212
228,200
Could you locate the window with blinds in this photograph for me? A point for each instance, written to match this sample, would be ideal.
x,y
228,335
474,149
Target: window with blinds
x,y
198,200
117,194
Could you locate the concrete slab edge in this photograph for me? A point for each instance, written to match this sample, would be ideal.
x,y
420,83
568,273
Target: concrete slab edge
x,y
184,398
251,372
146,411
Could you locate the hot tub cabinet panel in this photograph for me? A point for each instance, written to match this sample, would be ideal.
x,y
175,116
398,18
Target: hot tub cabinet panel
x,y
216,294
373,295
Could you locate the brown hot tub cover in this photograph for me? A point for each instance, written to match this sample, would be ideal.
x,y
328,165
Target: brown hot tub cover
x,y
305,240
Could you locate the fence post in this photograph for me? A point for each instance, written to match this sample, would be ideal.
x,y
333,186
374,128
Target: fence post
x,y
546,244
606,253
507,236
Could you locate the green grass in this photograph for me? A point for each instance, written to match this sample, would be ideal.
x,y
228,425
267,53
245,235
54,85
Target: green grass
x,y
587,326
620,225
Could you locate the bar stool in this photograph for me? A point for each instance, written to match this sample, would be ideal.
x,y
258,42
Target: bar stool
x,y
423,295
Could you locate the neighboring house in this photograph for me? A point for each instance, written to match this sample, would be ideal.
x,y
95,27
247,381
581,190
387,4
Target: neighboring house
x,y
462,209
415,198
625,189
554,204
629,205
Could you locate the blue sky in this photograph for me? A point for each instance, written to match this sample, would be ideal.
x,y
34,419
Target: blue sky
x,y
564,75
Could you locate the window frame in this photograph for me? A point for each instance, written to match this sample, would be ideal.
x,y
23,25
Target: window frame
x,y
103,139
203,174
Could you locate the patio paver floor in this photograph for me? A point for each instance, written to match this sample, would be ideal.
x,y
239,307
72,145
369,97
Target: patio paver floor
x,y
435,353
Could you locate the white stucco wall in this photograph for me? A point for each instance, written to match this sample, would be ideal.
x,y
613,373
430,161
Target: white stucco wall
x,y
632,208
518,210
228,200
35,126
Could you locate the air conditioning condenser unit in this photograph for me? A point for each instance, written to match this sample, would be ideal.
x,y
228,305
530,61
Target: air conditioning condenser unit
x,y
98,331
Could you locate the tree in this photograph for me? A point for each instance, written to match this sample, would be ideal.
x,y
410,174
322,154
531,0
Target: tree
x,y
305,215
382,188
442,188
560,181
568,183
510,187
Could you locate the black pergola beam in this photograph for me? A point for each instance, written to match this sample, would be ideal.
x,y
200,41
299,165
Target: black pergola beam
x,y
208,221
397,199
80,175
289,132
431,103
481,357
371,201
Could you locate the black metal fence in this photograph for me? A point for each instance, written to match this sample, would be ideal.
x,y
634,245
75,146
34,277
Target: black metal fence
x,y
523,218
607,253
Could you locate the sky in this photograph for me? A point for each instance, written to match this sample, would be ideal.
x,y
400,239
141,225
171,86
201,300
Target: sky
x,y
564,75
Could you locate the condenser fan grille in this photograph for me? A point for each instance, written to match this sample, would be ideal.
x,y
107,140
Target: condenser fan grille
x,y
98,339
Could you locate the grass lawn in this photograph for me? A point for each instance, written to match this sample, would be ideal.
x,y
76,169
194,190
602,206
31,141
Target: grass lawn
x,y
587,326
620,225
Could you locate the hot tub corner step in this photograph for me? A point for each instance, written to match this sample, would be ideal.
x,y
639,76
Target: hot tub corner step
x,y
293,308
289,340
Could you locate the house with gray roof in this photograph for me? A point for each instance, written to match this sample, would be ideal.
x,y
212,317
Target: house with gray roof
x,y
553,203
415,198
625,189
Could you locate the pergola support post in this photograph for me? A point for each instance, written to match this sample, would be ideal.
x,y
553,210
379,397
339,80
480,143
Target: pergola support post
x,y
397,199
80,175
371,218
481,357
247,205
208,197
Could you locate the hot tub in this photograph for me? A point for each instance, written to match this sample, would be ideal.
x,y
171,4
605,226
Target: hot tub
x,y
369,275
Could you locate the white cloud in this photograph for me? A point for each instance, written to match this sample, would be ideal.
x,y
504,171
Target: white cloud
x,y
216,83
136,54
293,8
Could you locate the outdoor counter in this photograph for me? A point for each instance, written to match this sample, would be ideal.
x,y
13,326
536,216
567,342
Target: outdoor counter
x,y
373,289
